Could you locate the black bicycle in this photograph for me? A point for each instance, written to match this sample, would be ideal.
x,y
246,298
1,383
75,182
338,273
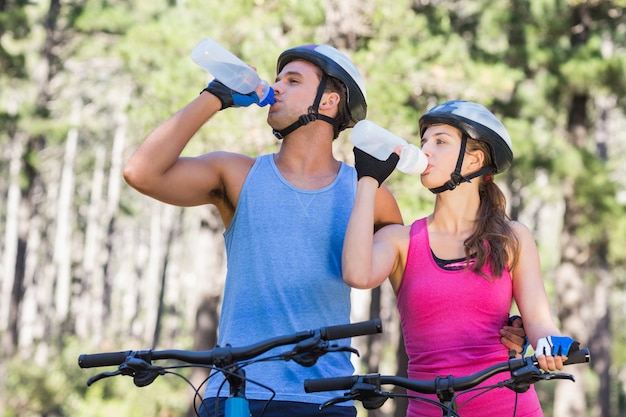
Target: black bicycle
x,y
367,388
230,361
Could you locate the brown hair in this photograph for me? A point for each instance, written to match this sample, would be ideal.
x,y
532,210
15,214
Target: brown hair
x,y
493,240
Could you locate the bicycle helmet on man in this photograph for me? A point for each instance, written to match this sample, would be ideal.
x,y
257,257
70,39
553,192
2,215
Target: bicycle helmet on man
x,y
333,64
477,122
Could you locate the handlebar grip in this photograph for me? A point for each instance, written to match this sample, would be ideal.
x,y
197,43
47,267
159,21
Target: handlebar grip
x,y
330,384
343,331
578,356
102,359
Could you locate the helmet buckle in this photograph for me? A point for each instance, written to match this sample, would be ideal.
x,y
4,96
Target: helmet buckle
x,y
305,119
455,180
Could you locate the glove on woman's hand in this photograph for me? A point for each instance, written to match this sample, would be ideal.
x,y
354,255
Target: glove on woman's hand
x,y
368,166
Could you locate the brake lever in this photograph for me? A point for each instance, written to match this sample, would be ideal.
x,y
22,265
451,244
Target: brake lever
x,y
143,373
369,395
523,378
348,396
102,375
557,375
337,348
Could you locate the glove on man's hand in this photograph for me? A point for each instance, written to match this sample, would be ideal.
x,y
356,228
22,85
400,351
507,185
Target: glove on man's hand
x,y
368,166
230,98
555,345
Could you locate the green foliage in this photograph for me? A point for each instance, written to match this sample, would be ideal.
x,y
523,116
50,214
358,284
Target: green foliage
x,y
587,68
42,389
59,387
14,24
105,18
595,193
119,396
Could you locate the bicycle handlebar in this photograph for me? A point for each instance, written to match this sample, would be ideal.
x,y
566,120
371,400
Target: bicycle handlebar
x,y
229,354
432,386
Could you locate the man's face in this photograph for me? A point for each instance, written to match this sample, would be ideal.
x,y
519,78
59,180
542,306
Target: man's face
x,y
294,90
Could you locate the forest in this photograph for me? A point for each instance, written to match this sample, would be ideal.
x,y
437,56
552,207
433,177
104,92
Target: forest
x,y
88,264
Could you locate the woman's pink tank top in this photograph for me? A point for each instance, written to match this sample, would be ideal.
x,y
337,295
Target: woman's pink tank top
x,y
451,321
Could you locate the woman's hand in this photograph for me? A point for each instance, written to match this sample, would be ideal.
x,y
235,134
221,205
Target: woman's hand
x,y
552,351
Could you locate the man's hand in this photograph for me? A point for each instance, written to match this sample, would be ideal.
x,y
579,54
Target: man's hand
x,y
230,98
513,336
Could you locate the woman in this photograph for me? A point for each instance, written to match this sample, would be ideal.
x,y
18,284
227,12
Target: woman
x,y
461,266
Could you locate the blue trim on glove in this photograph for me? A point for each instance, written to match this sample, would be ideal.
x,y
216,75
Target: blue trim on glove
x,y
556,345
244,100
231,98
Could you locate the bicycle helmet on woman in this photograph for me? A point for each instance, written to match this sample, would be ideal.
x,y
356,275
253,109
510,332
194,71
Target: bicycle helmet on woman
x,y
476,122
334,64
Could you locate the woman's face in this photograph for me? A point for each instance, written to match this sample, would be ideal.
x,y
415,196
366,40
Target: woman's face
x,y
441,144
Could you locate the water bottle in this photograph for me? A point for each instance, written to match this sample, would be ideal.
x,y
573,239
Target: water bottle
x,y
380,143
230,70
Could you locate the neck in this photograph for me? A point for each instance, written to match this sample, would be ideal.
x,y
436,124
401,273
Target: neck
x,y
307,161
456,211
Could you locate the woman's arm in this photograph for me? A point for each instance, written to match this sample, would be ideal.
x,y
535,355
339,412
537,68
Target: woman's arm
x,y
530,295
366,261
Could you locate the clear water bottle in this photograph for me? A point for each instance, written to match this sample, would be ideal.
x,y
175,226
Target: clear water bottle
x,y
380,143
230,70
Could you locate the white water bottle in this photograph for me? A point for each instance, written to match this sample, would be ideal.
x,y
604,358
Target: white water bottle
x,y
230,70
380,143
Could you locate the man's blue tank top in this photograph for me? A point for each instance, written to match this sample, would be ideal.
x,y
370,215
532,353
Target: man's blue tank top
x,y
284,275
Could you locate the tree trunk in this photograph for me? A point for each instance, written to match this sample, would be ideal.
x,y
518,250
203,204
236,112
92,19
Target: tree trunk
x,y
106,282
11,240
206,239
569,280
62,255
570,398
89,307
602,335
205,337
150,289
602,341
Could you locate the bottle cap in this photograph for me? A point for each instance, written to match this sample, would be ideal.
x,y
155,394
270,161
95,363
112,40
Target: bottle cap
x,y
267,96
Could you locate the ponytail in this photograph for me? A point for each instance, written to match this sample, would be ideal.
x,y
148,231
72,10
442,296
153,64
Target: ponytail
x,y
493,241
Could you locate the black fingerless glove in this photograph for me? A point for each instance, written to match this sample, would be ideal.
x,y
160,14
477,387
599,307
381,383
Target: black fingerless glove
x,y
230,98
368,166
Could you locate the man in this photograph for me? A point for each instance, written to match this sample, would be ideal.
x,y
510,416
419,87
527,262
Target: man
x,y
285,216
